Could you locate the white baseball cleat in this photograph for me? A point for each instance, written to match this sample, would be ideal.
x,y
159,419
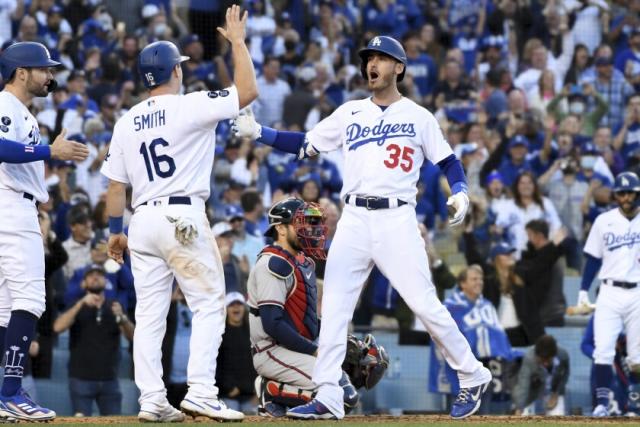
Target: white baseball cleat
x,y
165,414
211,408
600,411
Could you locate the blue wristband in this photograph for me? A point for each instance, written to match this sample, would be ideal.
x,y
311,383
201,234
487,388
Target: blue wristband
x,y
459,187
115,224
268,136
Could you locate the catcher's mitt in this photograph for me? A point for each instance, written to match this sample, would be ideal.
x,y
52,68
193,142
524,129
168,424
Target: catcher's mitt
x,y
365,361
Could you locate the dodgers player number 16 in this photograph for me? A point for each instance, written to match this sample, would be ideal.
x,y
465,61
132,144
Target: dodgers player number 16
x,y
164,148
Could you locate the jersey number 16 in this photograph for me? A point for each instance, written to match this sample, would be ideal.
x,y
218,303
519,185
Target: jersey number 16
x,y
151,156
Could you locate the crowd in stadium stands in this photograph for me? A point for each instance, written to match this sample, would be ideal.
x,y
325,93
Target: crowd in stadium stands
x,y
539,99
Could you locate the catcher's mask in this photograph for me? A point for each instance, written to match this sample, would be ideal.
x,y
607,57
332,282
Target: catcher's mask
x,y
308,221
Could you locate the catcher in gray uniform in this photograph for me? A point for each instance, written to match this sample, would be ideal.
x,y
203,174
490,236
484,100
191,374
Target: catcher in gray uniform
x,y
284,320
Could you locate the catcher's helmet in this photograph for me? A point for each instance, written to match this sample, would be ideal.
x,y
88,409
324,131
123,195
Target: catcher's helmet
x,y
156,62
24,55
626,181
308,220
387,45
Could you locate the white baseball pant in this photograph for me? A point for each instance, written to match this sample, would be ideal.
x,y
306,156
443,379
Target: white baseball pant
x,y
389,238
617,309
156,258
21,257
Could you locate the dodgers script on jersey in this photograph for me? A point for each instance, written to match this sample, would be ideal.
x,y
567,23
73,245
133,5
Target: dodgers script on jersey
x,y
398,138
18,124
156,140
616,240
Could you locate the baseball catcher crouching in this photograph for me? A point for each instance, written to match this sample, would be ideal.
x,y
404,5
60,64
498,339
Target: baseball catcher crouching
x,y
284,320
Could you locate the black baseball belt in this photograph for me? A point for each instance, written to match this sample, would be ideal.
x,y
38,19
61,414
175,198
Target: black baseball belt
x,y
623,285
373,203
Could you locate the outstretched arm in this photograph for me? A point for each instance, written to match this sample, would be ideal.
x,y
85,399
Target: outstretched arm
x,y
245,126
63,149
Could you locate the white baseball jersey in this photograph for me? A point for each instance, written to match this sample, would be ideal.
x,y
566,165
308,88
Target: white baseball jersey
x,y
383,150
616,240
18,124
164,146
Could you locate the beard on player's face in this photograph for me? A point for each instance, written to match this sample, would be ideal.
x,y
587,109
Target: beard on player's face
x,y
292,239
627,202
38,80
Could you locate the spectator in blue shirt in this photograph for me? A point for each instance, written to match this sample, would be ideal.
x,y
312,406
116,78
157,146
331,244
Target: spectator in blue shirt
x,y
627,136
420,65
628,60
614,89
516,161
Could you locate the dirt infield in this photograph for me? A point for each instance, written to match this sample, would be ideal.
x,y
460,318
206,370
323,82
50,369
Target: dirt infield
x,y
408,420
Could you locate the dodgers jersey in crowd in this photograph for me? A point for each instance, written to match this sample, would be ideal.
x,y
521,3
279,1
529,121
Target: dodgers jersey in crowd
x,y
18,124
155,140
616,240
478,322
398,138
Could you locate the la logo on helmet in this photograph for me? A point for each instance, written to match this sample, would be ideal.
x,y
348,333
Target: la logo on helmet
x,y
624,182
376,42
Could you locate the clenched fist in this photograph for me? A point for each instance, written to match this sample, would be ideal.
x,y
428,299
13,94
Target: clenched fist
x,y
458,204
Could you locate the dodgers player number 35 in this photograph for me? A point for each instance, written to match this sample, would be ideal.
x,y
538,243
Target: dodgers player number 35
x,y
384,140
613,248
164,148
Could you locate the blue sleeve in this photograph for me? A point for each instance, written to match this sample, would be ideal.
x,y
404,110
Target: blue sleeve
x,y
272,317
289,142
452,169
588,340
14,152
591,268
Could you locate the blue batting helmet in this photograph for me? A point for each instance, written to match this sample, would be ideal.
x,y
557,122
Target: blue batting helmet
x,y
156,62
387,45
627,181
24,55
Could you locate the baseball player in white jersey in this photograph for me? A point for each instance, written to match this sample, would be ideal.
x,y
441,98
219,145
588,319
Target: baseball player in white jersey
x,y
164,147
385,140
613,248
26,69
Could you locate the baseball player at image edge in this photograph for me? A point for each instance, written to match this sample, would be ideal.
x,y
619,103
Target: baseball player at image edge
x,y
384,139
164,147
613,249
26,70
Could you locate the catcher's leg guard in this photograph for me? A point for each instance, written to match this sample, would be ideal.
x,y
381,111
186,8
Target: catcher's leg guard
x,y
351,396
286,394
